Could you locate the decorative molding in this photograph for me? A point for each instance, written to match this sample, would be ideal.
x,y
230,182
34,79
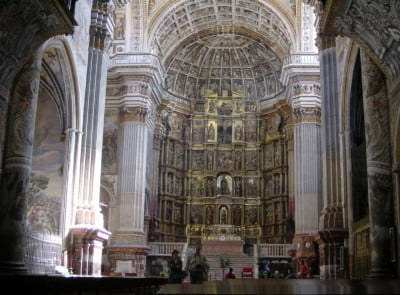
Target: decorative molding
x,y
307,115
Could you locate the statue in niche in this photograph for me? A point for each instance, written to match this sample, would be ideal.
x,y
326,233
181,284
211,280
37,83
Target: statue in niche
x,y
171,153
169,183
251,187
211,106
120,28
238,160
211,132
238,105
210,160
225,185
209,215
194,187
237,215
238,133
186,132
179,156
210,187
238,187
223,214
178,186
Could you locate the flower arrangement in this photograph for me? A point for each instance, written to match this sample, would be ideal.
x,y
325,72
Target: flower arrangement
x,y
224,262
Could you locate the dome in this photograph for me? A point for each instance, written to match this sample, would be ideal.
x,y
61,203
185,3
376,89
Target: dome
x,y
224,63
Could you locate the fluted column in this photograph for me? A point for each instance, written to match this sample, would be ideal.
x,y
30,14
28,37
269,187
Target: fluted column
x,y
331,220
331,184
17,164
377,131
307,182
134,162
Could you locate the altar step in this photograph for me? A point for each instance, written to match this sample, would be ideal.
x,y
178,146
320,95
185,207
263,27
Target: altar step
x,y
237,263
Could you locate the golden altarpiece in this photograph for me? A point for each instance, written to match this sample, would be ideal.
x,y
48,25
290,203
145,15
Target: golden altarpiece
x,y
224,173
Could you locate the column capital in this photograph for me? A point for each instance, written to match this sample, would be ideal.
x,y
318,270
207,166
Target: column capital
x,y
326,41
134,114
307,115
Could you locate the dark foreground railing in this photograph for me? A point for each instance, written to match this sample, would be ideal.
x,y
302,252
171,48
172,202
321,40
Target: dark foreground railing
x,y
49,284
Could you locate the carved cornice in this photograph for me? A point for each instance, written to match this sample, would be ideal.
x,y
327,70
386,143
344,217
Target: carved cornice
x,y
306,115
25,26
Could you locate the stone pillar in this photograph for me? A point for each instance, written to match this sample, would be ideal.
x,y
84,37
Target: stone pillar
x,y
330,133
307,182
128,242
331,219
377,131
88,213
17,164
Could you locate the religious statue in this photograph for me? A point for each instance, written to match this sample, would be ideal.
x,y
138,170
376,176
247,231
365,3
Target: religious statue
x,y
211,132
238,133
225,186
211,106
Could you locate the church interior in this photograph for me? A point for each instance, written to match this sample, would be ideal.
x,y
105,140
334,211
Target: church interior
x,y
264,131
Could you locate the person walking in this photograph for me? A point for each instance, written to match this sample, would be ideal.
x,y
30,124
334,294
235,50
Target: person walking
x,y
198,267
175,267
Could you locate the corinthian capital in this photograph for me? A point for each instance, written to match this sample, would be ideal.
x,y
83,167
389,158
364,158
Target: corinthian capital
x,y
307,115
134,114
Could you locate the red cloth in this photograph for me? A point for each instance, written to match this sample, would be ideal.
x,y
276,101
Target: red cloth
x,y
230,275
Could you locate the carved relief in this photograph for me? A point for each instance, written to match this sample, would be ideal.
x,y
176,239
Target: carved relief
x,y
198,160
224,160
251,160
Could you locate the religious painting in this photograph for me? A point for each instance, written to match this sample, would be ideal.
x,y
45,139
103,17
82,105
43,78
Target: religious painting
x,y
224,160
250,217
196,214
198,160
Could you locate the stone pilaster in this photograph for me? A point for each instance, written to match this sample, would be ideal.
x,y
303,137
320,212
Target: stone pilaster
x,y
17,164
135,160
377,131
307,185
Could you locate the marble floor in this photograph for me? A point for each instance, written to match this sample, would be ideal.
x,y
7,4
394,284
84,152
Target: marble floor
x,y
281,286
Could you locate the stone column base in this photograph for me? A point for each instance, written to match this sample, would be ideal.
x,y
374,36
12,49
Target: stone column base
x,y
85,249
330,242
127,261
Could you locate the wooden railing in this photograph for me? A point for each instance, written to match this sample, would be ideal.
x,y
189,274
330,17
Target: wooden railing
x,y
163,248
274,250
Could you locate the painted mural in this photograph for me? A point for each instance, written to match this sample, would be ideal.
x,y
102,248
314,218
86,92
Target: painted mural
x,y
110,139
45,190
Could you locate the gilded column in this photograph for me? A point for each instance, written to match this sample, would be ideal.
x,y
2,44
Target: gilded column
x,y
17,164
377,131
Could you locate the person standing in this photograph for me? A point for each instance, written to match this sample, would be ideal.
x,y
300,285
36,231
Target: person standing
x,y
175,267
230,274
198,267
303,270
